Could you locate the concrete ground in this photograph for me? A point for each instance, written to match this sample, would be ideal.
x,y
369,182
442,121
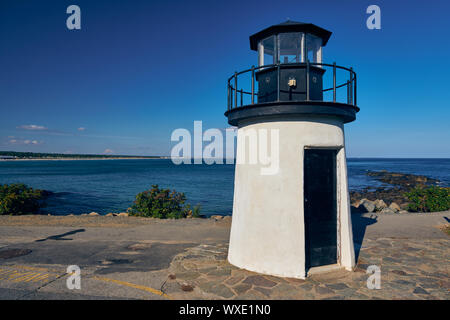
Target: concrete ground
x,y
138,258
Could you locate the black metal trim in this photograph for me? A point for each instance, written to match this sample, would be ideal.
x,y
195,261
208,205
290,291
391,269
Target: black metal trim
x,y
287,27
345,112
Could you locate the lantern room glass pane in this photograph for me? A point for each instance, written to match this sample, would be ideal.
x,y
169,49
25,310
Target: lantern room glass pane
x,y
290,47
314,48
266,51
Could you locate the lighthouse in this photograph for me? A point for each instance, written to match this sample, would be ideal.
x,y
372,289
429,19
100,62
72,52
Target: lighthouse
x,y
296,220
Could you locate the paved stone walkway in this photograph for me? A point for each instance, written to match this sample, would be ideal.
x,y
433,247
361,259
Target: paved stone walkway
x,y
410,269
134,258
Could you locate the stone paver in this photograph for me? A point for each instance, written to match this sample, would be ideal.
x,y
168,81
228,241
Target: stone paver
x,y
410,269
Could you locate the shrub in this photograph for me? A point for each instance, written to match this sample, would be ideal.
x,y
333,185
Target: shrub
x,y
17,199
429,199
162,203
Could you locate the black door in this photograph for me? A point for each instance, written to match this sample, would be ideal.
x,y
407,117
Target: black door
x,y
320,207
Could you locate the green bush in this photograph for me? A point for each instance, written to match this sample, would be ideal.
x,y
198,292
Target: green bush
x,y
17,199
429,199
163,204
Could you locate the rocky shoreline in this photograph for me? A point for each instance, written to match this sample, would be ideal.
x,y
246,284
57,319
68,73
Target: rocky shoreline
x,y
389,199
125,214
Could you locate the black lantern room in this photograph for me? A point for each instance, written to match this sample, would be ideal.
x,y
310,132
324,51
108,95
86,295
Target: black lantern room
x,y
290,76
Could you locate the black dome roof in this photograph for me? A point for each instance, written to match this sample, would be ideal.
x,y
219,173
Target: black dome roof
x,y
290,26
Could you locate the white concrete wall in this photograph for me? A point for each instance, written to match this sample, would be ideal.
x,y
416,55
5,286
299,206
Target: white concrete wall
x,y
267,232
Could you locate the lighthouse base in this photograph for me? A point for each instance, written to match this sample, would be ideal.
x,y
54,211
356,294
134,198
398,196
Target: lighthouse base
x,y
296,218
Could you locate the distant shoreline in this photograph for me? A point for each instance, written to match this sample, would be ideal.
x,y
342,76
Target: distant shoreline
x,y
94,158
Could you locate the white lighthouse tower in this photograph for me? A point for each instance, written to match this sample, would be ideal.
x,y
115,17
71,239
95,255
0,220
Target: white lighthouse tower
x,y
297,220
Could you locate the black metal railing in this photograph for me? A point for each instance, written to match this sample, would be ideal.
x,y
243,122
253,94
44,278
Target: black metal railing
x,y
237,94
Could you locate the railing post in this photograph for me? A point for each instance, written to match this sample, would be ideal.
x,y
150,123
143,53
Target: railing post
x,y
231,97
334,81
242,98
351,85
354,99
348,90
278,82
235,89
228,95
253,84
307,79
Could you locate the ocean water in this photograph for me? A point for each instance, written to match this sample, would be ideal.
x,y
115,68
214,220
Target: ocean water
x,y
83,186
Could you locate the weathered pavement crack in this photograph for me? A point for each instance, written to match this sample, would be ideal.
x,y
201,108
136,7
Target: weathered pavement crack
x,y
40,287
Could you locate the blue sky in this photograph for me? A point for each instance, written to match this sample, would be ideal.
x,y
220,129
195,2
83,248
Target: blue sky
x,y
137,70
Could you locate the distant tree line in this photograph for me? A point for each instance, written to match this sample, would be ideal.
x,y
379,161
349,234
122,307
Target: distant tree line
x,y
38,155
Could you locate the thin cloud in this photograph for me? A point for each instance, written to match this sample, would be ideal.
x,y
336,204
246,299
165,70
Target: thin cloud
x,y
81,128
25,142
32,127
31,142
108,151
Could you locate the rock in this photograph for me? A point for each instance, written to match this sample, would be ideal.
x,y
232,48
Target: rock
x,y
402,179
356,203
368,205
400,183
123,214
187,287
93,214
395,207
379,205
227,218
387,210
403,211
111,214
217,217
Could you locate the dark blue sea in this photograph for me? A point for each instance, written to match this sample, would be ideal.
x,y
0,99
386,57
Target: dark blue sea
x,y
83,186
